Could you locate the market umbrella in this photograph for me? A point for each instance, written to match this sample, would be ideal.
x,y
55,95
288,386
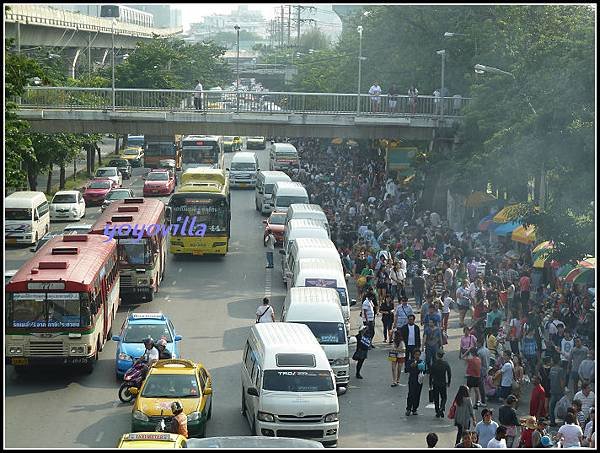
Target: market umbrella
x,y
336,141
564,270
485,223
506,228
506,213
477,199
351,142
580,275
524,235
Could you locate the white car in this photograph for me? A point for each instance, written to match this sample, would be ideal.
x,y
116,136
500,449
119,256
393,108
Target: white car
x,y
111,173
67,205
78,228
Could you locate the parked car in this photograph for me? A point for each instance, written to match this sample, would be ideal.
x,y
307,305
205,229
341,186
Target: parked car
x,y
40,243
159,182
78,228
67,205
123,165
111,173
116,195
134,155
96,191
276,223
256,143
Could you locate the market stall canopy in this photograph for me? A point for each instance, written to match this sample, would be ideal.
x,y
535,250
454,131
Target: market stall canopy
x,y
524,235
507,213
583,272
351,142
506,228
564,270
337,141
477,199
486,223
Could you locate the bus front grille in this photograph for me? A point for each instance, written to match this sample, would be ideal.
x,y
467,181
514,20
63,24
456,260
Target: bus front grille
x,y
46,348
126,281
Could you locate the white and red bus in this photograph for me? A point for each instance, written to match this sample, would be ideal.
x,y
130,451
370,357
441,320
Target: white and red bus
x,y
142,256
61,304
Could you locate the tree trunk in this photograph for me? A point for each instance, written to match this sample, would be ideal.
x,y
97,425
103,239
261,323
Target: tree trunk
x,y
49,180
99,155
61,183
32,179
117,143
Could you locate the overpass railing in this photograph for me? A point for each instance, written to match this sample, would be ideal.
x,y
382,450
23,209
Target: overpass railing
x,y
131,99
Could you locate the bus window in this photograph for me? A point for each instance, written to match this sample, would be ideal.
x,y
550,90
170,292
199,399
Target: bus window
x,y
134,252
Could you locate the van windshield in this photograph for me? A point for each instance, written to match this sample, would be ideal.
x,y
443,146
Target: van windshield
x,y
297,380
243,166
284,202
328,332
18,214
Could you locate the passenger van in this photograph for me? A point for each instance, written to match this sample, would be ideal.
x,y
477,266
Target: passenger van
x,y
307,211
285,193
283,156
288,386
306,248
265,181
243,169
303,228
27,217
326,273
320,310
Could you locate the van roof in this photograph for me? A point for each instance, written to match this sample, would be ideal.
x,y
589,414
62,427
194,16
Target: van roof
x,y
306,207
310,295
243,156
275,174
315,243
289,184
284,146
326,267
16,199
305,223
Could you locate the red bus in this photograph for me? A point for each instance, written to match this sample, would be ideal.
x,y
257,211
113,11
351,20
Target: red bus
x,y
142,256
61,304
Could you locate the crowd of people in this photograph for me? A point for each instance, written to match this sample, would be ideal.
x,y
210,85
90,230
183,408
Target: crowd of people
x,y
524,330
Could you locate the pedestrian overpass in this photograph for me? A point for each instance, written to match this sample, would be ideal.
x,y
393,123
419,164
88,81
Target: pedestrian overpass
x,y
261,113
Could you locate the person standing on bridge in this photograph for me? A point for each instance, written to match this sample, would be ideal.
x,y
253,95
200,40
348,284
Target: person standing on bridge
x,y
198,95
375,92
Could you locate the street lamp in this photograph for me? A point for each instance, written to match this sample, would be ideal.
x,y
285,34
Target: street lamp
x,y
237,64
113,63
443,54
360,30
451,35
479,68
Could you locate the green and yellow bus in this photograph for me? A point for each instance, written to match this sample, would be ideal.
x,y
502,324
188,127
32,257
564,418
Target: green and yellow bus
x,y
202,151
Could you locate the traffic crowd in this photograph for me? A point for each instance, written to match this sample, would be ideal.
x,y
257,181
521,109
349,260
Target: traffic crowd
x,y
525,336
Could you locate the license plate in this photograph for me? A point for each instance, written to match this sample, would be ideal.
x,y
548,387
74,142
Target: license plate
x,y
83,360
197,253
11,241
19,361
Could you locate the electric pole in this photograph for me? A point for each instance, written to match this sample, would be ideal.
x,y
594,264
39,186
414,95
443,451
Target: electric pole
x,y
281,29
289,23
299,20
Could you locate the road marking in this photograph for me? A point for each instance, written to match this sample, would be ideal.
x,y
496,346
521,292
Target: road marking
x,y
268,275
245,276
174,282
180,269
100,435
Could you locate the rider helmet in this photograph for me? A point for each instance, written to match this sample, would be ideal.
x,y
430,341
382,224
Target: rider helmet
x,y
162,342
176,407
148,342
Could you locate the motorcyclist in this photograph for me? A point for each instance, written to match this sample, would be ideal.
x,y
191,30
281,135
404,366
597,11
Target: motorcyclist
x,y
179,421
151,354
163,352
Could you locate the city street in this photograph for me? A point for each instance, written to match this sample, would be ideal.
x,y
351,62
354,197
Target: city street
x,y
212,303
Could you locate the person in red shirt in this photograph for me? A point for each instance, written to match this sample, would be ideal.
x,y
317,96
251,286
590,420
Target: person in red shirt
x,y
473,373
537,404
525,286
530,425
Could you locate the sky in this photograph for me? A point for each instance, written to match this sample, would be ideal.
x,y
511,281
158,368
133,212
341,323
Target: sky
x,y
191,13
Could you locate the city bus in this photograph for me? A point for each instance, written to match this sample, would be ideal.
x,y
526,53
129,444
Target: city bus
x,y
160,148
203,194
202,151
61,304
142,251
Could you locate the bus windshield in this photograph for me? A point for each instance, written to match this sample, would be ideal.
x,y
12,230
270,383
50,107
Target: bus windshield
x,y
160,149
208,153
46,310
212,212
328,332
17,214
134,252
297,380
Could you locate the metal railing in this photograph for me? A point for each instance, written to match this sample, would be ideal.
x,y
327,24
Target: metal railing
x,y
130,99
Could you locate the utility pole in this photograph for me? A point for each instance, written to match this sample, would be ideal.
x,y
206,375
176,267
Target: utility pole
x,y
298,9
281,29
289,23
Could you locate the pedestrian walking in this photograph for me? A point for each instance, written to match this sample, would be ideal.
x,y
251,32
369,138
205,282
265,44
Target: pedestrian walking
x,y
368,313
363,344
499,440
416,369
473,374
437,97
413,93
464,416
386,309
270,245
411,336
507,416
537,400
468,440
578,355
375,92
486,428
402,312
198,95
467,342
507,376
397,356
432,338
463,300
447,303
264,312
432,440
557,385
418,286
440,376
587,397
570,434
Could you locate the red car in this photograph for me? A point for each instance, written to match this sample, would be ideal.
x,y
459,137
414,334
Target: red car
x,y
159,182
276,222
96,191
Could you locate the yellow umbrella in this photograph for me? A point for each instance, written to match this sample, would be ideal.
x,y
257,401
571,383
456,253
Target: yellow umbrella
x,y
408,179
506,214
336,141
524,235
351,143
543,245
477,199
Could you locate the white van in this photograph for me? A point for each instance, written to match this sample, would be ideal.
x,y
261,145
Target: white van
x,y
243,169
326,273
307,211
26,217
320,310
265,181
285,193
303,228
288,386
283,156
305,248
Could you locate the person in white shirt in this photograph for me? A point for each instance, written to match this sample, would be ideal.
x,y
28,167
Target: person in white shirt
x,y
447,301
265,313
375,92
499,441
368,313
150,354
587,398
570,434
198,95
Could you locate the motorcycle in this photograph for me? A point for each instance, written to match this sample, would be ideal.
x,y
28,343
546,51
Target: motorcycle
x,y
134,377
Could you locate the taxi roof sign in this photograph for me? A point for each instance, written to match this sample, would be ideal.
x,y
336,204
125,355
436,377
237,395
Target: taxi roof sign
x,y
158,315
148,436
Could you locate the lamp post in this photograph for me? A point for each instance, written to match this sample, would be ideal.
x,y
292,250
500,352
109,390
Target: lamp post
x,y
113,63
451,35
443,54
360,30
237,64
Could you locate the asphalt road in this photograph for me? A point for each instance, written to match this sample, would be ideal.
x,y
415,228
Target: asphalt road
x,y
212,302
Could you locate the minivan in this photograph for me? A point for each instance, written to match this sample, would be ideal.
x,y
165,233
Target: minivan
x,y
327,273
27,217
111,173
288,386
285,193
307,211
283,156
265,181
320,310
306,248
303,228
243,169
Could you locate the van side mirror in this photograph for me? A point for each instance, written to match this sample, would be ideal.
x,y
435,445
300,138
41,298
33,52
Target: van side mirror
x,y
116,338
264,221
227,169
207,391
252,391
341,390
352,302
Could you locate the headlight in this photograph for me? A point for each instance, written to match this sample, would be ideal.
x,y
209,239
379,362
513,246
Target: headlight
x,y
138,415
15,350
193,416
342,361
265,417
77,349
143,281
331,417
123,356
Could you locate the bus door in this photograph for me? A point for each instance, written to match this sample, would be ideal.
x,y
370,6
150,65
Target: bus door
x,y
105,306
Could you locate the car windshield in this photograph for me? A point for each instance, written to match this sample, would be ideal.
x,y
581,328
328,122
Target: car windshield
x,y
244,166
157,176
64,198
297,380
106,172
328,332
100,185
118,163
17,214
171,386
118,195
131,152
277,219
136,333
284,202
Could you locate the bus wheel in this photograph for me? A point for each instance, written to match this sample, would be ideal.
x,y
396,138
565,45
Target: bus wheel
x,y
36,238
243,403
150,296
89,367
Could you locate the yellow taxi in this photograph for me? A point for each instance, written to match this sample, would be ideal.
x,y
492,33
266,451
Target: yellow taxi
x,y
232,144
134,154
152,440
168,381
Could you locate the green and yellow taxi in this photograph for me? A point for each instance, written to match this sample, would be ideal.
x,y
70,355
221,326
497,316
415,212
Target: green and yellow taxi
x,y
133,154
232,144
152,440
168,381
